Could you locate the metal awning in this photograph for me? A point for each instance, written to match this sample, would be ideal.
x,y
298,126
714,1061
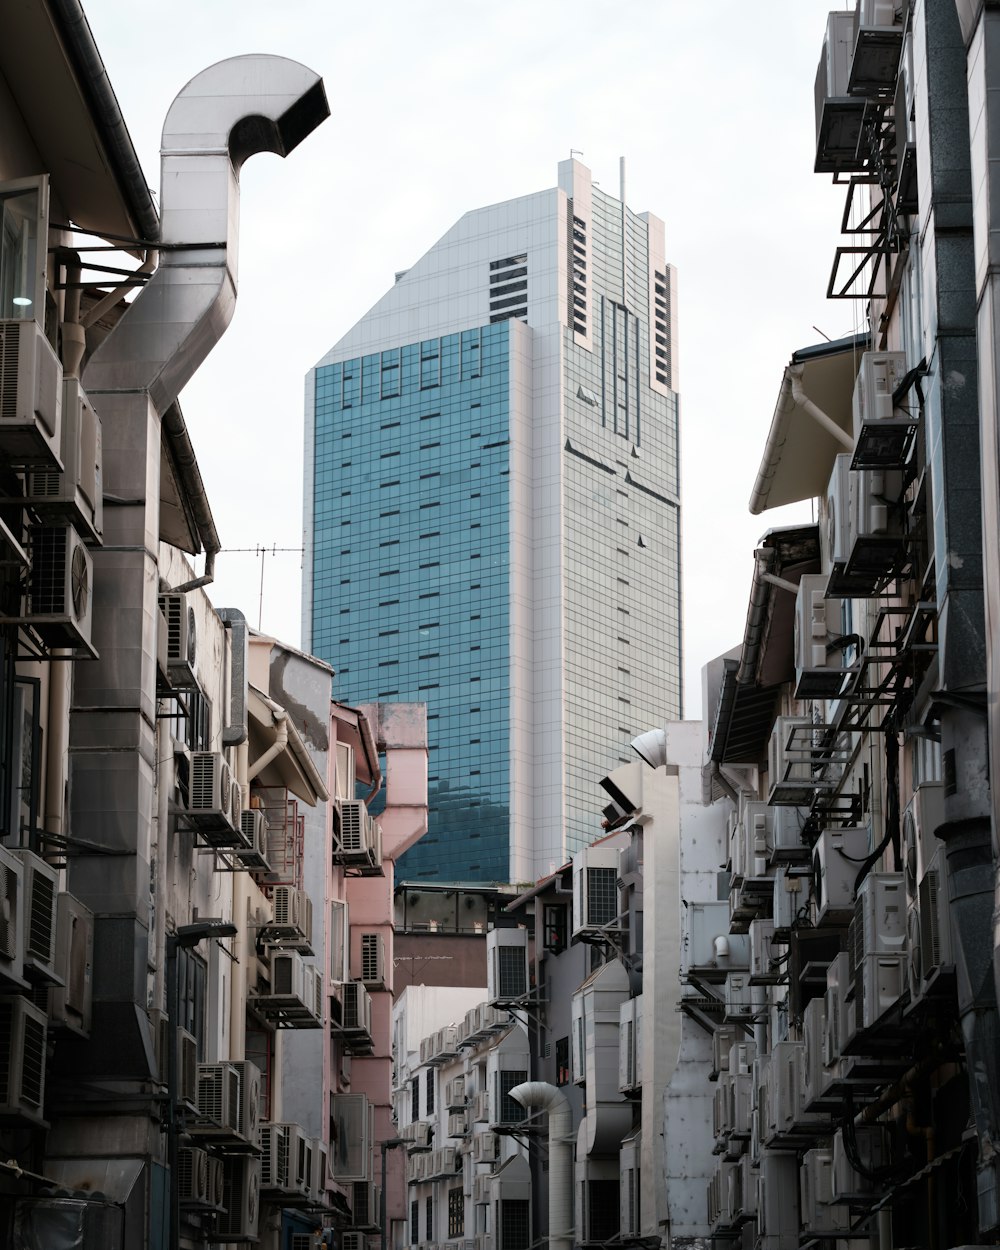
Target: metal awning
x,y
743,720
291,767
798,457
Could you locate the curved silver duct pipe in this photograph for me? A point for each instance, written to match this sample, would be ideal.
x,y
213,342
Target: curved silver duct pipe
x,y
546,1097
224,115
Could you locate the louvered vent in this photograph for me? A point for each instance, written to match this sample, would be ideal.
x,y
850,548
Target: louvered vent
x,y
41,920
8,912
662,327
371,958
930,930
509,288
10,354
578,274
282,974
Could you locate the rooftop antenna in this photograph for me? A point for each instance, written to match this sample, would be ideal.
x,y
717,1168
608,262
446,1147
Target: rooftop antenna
x,y
261,552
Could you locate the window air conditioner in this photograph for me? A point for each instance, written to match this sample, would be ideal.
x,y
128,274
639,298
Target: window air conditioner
x,y
70,1003
360,840
74,494
241,1199
30,396
292,924
58,600
837,859
23,1030
182,649
210,799
41,887
506,965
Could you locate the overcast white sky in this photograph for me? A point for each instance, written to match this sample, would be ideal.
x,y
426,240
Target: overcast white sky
x,y
440,106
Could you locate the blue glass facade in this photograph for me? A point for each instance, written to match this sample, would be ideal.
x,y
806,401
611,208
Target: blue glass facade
x,y
410,570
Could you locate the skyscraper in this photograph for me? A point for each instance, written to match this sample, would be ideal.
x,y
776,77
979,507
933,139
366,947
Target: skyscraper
x,y
492,517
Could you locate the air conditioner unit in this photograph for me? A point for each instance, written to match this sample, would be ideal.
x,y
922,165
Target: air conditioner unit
x,y
709,946
629,1049
454,1093
253,827
835,527
820,671
868,1148
30,395
192,1177
777,1201
360,840
929,928
738,867
763,968
838,116
241,1199
749,1184
816,1076
11,922
457,1125
841,1011
791,776
353,1241
292,924
738,996
372,960
290,1001
628,1188
907,200
506,965
723,1040
788,900
816,1194
837,859
357,1008
182,649
595,889
880,980
248,1117
481,1107
218,1101
484,1147
877,542
366,1201
216,1182
70,1003
73,494
788,1114
58,600
880,916
923,816
23,1030
320,1183
38,915
210,799
482,1189
882,432
875,63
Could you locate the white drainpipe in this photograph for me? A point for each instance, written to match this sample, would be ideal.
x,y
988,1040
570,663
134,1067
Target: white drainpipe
x,y
548,1098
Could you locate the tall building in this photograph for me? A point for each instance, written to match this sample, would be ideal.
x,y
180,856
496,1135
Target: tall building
x,y
492,516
